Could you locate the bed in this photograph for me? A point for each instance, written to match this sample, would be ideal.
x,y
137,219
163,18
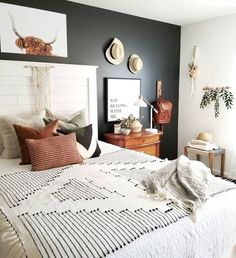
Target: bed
x,y
100,208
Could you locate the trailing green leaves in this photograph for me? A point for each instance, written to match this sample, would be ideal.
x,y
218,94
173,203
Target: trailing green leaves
x,y
214,95
227,97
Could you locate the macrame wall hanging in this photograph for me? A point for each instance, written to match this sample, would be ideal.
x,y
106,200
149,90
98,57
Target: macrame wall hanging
x,y
193,71
41,86
215,92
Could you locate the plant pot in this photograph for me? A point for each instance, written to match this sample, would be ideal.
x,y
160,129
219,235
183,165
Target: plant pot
x,y
117,129
125,131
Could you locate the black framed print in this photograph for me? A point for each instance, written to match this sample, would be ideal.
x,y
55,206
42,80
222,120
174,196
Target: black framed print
x,y
121,96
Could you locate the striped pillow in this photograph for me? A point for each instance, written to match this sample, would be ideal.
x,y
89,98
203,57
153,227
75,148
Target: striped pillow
x,y
53,152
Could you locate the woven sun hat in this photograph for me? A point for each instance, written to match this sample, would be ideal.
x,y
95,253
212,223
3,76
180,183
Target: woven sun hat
x,y
135,63
207,137
115,52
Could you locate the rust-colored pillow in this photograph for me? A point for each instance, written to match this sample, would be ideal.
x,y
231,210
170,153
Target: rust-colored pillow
x,y
53,152
24,133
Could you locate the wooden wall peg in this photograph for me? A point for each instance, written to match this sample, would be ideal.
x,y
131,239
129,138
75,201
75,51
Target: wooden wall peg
x,y
159,95
159,89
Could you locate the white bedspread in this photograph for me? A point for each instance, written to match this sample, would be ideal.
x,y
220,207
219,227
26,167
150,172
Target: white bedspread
x,y
213,235
110,183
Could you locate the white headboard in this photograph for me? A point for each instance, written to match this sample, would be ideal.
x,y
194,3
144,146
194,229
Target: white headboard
x,y
73,87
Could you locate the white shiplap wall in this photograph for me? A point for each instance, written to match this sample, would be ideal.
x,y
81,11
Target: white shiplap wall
x,y
73,87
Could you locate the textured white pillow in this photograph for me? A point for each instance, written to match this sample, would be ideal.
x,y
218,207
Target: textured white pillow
x,y
7,131
11,146
1,145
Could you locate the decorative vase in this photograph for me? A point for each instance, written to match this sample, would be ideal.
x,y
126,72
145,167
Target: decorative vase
x,y
125,131
136,127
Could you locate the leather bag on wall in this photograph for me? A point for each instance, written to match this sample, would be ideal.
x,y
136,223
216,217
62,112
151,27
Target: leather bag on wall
x,y
164,108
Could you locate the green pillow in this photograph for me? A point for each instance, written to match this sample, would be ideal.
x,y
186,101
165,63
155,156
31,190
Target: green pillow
x,y
72,124
62,125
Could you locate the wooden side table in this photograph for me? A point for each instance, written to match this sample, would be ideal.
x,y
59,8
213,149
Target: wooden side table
x,y
211,154
145,142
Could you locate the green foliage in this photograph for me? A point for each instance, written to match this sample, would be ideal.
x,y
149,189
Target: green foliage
x,y
214,95
127,122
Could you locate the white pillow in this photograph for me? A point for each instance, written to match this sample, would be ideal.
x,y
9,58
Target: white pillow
x,y
8,137
11,146
1,145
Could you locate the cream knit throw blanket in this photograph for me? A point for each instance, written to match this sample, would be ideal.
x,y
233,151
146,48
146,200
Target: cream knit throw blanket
x,y
183,181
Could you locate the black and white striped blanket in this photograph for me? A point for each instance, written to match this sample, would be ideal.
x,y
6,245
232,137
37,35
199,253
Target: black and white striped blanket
x,y
89,210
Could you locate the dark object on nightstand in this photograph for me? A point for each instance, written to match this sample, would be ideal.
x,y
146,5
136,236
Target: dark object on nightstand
x,y
148,143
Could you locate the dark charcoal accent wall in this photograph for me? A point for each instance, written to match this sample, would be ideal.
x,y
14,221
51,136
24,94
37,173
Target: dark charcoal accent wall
x,y
90,30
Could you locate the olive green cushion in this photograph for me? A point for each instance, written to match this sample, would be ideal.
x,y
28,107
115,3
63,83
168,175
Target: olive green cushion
x,y
67,121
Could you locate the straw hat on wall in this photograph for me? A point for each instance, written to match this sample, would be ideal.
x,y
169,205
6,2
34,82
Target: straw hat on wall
x,y
135,63
115,52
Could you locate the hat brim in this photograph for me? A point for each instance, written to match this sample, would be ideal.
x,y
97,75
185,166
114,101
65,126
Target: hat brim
x,y
207,137
108,53
130,64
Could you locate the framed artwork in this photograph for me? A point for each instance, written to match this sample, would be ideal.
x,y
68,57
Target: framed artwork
x,y
121,96
31,31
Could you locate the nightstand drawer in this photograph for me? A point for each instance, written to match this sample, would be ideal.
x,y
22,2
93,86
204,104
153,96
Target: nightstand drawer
x,y
148,149
142,140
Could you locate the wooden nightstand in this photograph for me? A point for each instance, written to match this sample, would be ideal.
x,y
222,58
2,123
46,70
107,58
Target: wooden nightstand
x,y
142,142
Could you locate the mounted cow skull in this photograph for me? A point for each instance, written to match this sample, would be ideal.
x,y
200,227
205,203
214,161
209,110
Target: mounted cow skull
x,y
31,44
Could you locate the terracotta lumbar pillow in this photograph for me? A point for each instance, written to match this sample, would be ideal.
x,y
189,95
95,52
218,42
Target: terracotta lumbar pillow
x,y
53,152
24,133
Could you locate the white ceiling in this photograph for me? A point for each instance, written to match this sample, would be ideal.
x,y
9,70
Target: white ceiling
x,y
180,12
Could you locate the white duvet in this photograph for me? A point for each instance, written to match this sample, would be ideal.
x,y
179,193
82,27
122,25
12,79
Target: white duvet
x,y
213,235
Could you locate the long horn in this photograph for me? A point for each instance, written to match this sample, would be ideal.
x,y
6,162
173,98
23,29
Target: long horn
x,y
55,38
14,26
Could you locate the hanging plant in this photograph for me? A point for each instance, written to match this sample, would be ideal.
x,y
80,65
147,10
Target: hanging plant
x,y
214,95
193,71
